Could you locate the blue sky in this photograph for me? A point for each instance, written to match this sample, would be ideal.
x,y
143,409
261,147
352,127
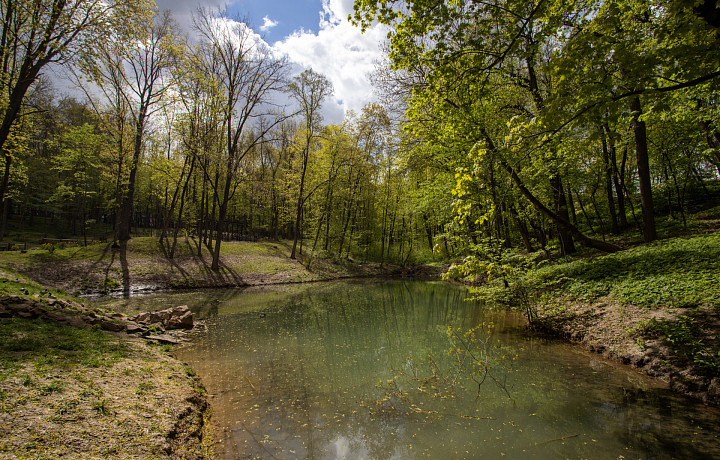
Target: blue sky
x,y
289,16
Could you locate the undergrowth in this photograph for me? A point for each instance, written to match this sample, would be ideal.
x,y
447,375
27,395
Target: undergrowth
x,y
687,340
678,273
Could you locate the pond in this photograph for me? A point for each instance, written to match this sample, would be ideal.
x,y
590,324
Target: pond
x,y
398,369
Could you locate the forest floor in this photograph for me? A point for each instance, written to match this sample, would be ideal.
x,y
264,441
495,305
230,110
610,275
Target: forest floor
x,y
97,269
85,393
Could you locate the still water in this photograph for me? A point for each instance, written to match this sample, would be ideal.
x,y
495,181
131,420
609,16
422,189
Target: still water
x,y
397,370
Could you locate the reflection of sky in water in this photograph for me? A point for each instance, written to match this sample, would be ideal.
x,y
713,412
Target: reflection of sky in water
x,y
302,372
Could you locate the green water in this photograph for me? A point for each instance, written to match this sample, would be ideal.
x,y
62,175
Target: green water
x,y
381,370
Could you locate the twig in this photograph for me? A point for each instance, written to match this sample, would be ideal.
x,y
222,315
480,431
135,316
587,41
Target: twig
x,y
556,439
251,384
256,440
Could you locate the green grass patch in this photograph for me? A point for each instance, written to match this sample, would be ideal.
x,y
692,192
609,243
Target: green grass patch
x,y
268,249
45,343
678,272
17,285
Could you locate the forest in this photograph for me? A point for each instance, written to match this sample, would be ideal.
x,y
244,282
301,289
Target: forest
x,y
526,125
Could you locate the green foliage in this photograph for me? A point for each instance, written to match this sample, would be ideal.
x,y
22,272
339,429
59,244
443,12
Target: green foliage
x,y
502,278
537,95
101,406
678,272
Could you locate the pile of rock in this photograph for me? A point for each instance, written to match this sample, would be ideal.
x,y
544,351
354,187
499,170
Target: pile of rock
x,y
78,315
171,318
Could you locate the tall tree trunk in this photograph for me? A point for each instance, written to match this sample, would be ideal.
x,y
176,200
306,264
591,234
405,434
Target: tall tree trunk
x,y
557,219
180,211
567,245
712,137
201,217
571,207
618,176
614,227
347,213
126,206
522,228
4,200
428,230
643,165
586,215
327,222
300,202
219,228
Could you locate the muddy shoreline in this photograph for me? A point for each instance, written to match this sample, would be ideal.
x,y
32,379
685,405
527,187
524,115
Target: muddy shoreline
x,y
616,332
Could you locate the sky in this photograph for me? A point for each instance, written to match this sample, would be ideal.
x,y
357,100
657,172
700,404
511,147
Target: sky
x,y
311,33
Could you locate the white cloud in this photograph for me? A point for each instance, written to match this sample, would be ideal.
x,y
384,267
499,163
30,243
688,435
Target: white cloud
x,y
268,24
337,50
341,53
337,11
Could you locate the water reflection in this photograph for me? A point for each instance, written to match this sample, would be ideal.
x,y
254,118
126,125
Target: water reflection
x,y
303,371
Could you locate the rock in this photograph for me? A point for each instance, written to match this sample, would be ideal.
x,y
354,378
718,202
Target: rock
x,y
164,338
111,325
134,328
182,320
713,390
17,307
150,317
57,317
76,321
91,321
171,318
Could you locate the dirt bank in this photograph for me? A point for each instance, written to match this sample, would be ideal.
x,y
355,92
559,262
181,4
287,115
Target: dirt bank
x,y
630,335
80,392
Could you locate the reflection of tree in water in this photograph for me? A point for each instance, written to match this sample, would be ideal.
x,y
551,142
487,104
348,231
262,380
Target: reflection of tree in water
x,y
300,379
472,358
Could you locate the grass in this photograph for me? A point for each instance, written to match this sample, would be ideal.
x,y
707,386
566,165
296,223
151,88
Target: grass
x,y
96,268
675,282
675,273
680,276
16,284
49,344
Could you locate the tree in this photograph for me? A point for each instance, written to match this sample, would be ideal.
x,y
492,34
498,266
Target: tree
x,y
309,89
78,162
244,75
37,33
133,80
517,81
484,71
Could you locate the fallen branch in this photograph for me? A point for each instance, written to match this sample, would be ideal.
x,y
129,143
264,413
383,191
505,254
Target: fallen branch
x,y
556,439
